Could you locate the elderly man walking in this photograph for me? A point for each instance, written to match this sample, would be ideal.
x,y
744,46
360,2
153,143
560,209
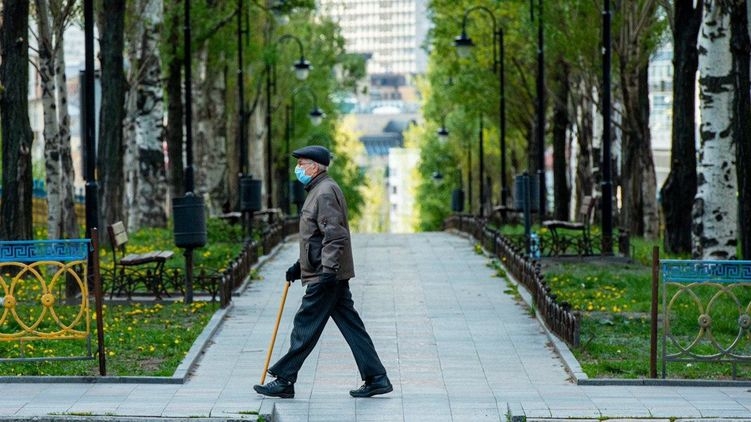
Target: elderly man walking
x,y
325,267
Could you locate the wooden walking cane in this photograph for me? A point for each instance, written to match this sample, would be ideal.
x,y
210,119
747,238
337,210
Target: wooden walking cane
x,y
273,335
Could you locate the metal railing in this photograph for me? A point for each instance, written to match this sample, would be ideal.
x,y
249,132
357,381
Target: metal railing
x,y
558,316
706,307
45,295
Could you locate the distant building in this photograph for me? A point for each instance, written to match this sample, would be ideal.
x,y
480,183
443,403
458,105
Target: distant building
x,y
390,35
401,186
391,30
660,75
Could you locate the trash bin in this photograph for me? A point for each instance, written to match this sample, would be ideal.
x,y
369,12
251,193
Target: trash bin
x,y
297,190
457,200
526,186
190,221
250,194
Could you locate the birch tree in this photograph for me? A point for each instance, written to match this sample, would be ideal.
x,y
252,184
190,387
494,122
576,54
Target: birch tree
x,y
715,207
67,199
211,133
46,68
52,19
145,174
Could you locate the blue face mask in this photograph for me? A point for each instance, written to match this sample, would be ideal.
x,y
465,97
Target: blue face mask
x,y
301,176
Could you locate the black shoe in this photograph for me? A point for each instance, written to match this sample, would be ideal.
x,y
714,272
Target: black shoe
x,y
277,388
380,384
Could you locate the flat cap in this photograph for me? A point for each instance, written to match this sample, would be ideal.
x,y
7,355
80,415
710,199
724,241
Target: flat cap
x,y
316,153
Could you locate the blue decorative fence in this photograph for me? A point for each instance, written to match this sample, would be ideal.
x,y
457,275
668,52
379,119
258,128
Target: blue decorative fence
x,y
706,312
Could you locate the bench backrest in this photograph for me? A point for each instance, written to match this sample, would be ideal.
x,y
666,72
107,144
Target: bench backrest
x,y
586,209
118,237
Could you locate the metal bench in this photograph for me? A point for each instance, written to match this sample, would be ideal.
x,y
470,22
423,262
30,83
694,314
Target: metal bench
x,y
130,270
582,240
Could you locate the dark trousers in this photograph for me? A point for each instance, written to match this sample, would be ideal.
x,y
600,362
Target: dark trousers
x,y
321,301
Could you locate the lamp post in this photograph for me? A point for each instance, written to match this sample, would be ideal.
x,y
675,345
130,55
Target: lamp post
x,y
302,69
463,44
316,116
540,105
607,183
89,134
457,195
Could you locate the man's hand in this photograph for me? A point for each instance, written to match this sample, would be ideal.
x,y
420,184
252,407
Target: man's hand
x,y
327,278
293,272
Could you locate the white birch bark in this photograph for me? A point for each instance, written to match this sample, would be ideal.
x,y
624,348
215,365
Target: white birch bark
x,y
49,104
146,187
715,205
67,174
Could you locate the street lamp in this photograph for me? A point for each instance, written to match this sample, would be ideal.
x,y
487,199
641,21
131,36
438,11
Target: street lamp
x,y
540,104
464,44
607,182
315,115
442,132
302,70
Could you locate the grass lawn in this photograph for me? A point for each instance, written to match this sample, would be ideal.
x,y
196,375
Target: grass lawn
x,y
614,299
141,338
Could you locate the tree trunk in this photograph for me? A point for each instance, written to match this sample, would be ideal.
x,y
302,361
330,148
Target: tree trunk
x,y
678,192
715,207
52,161
211,133
110,156
639,179
585,135
71,230
145,174
561,123
15,211
740,45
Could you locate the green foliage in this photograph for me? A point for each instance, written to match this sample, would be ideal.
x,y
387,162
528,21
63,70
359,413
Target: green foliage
x,y
346,172
433,196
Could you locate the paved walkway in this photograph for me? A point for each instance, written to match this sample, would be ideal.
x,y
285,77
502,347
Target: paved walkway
x,y
457,347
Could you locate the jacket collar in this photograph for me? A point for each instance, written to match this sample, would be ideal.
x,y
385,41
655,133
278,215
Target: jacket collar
x,y
316,179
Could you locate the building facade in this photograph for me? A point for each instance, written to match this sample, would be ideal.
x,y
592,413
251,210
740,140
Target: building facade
x,y
390,31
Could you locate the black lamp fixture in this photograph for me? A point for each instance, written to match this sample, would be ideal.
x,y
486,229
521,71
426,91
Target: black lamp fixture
x,y
316,114
302,70
302,66
464,45
442,132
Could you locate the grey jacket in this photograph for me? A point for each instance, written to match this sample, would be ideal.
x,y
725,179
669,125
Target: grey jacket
x,y
325,244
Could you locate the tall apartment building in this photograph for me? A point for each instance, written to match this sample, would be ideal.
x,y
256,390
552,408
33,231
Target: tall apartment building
x,y
390,32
